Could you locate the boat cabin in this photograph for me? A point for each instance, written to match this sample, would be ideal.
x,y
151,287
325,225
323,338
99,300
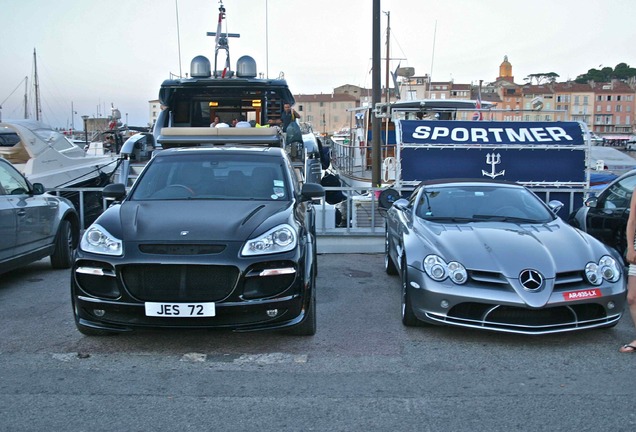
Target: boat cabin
x,y
196,101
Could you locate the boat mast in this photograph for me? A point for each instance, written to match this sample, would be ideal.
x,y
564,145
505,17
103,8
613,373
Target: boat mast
x,y
36,85
26,100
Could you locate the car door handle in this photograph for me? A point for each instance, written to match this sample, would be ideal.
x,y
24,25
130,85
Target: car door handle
x,y
21,212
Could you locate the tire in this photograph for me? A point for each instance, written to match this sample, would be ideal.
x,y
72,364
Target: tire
x,y
62,256
308,326
389,265
408,317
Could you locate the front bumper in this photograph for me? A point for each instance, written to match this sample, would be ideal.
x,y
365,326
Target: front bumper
x,y
248,294
499,309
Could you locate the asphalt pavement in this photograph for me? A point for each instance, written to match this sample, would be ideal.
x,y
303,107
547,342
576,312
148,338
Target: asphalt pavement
x,y
362,371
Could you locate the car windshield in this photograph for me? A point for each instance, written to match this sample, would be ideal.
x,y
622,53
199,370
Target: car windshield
x,y
212,176
481,203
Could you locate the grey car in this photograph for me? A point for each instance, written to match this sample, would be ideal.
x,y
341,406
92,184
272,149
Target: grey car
x,y
492,255
33,224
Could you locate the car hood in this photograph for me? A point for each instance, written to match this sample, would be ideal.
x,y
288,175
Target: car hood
x,y
509,248
197,220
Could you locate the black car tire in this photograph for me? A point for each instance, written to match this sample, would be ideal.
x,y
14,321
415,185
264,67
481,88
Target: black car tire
x,y
62,255
408,317
389,265
308,326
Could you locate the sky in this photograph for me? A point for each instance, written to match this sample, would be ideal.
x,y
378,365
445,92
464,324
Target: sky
x,y
94,54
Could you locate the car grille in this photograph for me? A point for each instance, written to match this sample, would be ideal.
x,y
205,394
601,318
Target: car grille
x,y
516,319
181,249
177,283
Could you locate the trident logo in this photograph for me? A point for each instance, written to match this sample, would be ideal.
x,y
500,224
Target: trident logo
x,y
492,160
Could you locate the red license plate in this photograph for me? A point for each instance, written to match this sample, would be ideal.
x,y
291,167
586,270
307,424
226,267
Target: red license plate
x,y
582,294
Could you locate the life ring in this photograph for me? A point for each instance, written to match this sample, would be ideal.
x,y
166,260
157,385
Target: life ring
x,y
389,167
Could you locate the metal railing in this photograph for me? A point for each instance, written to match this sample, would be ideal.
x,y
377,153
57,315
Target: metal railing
x,y
358,214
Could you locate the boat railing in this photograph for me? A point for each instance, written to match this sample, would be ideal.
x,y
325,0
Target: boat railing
x,y
353,157
358,214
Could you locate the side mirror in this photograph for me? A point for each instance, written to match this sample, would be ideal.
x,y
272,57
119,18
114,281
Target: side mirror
x,y
38,189
591,202
555,206
401,204
310,191
115,191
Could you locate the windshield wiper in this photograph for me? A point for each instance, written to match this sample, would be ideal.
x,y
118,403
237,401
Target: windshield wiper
x,y
498,218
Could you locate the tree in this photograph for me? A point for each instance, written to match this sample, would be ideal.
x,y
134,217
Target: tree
x,y
622,71
542,77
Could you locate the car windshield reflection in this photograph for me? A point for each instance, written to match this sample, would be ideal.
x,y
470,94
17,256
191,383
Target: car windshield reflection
x,y
212,177
478,203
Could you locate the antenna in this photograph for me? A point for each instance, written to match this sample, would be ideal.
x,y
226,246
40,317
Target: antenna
x,y
430,78
221,42
176,4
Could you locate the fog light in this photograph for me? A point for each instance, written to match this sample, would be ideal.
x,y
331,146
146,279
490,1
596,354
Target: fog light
x,y
611,305
272,313
99,312
444,304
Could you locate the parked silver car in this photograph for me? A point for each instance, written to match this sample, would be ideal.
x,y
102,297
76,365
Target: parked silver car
x,y
492,255
33,224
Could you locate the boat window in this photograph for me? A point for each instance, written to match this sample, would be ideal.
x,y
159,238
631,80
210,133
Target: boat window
x,y
9,139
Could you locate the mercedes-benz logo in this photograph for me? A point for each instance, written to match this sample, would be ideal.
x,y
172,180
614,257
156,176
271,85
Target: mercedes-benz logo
x,y
531,280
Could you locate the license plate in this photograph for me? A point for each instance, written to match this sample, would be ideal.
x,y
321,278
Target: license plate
x,y
582,294
180,310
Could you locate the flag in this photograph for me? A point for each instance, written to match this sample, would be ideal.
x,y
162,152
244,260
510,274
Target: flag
x,y
218,29
396,85
478,115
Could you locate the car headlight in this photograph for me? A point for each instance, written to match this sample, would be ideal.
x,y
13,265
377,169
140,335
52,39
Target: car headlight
x,y
279,239
97,240
606,269
437,269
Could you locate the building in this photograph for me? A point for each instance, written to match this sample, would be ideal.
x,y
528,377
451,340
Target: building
x,y
606,108
326,113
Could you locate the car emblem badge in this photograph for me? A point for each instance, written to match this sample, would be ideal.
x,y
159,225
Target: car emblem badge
x,y
185,233
531,280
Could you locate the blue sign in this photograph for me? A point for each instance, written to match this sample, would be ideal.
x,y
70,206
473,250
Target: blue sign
x,y
517,165
491,133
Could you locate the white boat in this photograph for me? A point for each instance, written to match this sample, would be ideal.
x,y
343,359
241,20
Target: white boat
x,y
46,156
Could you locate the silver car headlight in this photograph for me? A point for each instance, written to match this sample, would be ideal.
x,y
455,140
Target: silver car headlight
x,y
606,269
437,269
97,240
279,239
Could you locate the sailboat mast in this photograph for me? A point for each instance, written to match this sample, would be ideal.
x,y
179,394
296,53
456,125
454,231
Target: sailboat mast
x,y
36,85
26,100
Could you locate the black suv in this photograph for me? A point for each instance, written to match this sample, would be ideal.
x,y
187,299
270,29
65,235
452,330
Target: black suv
x,y
206,237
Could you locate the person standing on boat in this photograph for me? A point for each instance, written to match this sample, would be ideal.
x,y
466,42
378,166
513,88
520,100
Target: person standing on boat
x,y
289,115
631,279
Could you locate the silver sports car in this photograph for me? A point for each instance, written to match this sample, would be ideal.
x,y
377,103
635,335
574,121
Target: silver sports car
x,y
492,255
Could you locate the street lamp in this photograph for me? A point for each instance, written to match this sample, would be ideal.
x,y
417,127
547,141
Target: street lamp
x,y
85,118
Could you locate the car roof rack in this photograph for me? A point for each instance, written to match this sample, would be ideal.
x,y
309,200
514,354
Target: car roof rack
x,y
209,136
